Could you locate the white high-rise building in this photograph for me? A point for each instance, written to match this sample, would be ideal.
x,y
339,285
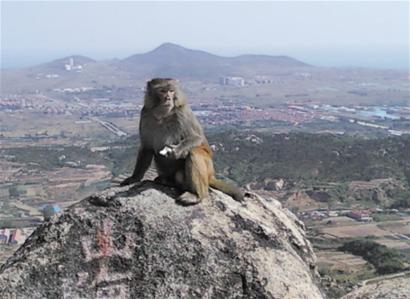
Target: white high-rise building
x,y
71,66
233,81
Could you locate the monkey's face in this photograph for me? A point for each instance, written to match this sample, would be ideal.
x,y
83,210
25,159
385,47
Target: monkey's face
x,y
164,94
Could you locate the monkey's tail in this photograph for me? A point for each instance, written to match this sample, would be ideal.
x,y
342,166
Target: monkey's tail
x,y
227,188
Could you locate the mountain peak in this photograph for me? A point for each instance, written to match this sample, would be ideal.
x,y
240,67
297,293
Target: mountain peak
x,y
169,46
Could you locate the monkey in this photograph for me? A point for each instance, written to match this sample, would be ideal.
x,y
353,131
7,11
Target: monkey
x,y
171,135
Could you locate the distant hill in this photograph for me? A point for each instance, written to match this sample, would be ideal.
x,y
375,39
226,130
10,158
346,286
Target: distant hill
x,y
173,60
168,60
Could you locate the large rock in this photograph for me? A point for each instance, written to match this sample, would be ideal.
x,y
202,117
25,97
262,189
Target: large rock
x,y
139,243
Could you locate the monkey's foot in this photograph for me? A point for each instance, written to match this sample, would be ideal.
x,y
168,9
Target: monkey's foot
x,y
188,198
164,181
129,181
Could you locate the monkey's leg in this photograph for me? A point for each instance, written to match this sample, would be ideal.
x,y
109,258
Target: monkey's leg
x,y
196,180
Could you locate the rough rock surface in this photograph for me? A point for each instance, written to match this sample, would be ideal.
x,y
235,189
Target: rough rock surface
x,y
139,243
398,288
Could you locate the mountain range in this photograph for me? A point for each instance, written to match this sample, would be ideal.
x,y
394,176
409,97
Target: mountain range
x,y
167,60
173,60
270,78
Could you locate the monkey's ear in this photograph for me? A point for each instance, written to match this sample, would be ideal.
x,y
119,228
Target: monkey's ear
x,y
148,101
149,84
180,99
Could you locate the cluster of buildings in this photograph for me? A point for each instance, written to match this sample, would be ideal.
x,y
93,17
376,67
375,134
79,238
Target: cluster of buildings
x,y
70,66
221,115
294,114
11,236
16,103
46,105
264,80
361,215
240,81
232,81
212,114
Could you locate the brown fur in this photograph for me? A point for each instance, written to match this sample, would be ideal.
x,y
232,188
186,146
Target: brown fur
x,y
168,122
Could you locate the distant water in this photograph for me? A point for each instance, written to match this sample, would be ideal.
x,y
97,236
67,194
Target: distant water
x,y
377,112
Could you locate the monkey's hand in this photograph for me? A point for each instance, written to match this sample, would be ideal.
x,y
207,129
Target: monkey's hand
x,y
179,152
173,152
129,181
167,151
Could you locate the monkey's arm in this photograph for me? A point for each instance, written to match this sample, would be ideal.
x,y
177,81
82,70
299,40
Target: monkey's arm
x,y
193,137
182,149
143,162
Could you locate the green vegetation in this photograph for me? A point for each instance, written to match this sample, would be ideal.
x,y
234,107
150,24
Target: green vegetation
x,y
13,191
406,253
312,157
300,158
49,158
385,260
385,217
324,243
123,159
303,160
338,192
309,158
402,200
342,279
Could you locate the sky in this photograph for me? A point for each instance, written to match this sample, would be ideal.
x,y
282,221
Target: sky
x,y
349,33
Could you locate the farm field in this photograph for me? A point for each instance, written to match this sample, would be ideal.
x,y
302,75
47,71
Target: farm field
x,y
337,260
360,230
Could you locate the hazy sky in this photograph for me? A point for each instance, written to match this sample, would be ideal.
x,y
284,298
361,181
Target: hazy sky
x,y
370,34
